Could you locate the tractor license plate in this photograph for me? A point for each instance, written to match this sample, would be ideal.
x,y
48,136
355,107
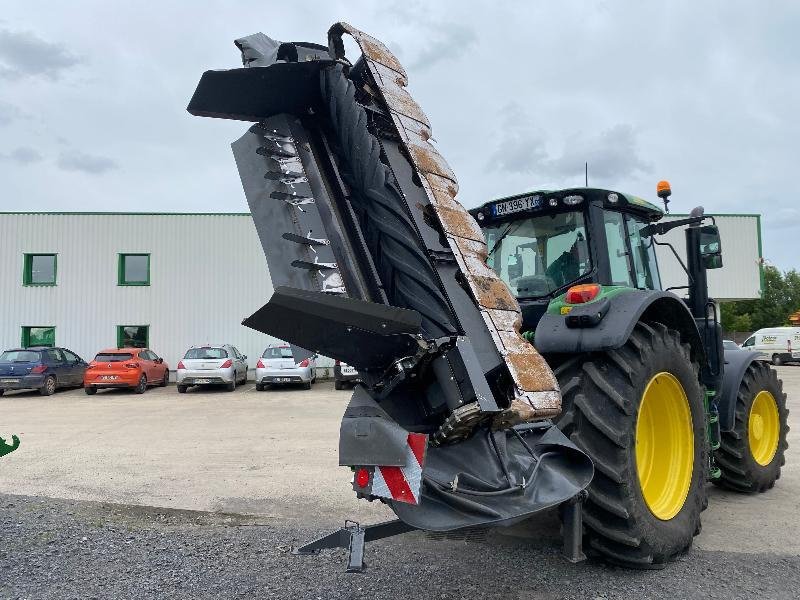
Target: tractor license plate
x,y
517,205
108,377
9,380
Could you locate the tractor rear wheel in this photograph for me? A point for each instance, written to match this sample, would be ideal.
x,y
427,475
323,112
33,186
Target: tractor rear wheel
x,y
752,454
638,412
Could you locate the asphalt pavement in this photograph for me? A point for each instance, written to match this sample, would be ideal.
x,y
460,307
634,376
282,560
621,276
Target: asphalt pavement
x,y
203,494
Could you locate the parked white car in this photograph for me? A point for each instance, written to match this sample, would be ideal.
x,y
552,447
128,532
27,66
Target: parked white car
x,y
212,364
277,366
776,344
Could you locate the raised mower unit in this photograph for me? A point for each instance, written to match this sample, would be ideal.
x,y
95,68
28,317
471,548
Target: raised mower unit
x,y
469,354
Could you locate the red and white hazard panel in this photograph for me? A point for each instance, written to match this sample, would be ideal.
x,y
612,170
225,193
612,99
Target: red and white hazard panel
x,y
402,484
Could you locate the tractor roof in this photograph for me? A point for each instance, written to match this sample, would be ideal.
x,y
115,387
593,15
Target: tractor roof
x,y
546,201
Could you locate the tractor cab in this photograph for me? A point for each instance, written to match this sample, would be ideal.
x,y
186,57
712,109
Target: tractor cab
x,y
543,243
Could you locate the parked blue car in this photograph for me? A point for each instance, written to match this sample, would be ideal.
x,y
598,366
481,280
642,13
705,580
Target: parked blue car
x,y
40,368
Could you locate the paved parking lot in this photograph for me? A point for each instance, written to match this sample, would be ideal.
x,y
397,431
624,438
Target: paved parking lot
x,y
272,456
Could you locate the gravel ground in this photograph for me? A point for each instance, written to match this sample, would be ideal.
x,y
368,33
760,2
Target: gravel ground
x,y
52,548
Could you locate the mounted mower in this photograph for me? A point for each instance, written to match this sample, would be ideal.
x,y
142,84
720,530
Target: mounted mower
x,y
458,421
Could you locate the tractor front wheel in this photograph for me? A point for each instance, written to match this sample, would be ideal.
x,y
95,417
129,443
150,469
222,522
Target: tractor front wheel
x,y
638,412
751,455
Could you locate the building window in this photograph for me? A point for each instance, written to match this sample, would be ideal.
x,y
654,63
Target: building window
x,y
38,336
133,336
134,269
39,269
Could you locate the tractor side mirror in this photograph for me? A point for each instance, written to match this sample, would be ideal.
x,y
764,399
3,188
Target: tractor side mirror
x,y
710,247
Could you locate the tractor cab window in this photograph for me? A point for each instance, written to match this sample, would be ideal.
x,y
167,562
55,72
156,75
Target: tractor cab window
x,y
643,252
618,257
536,256
631,256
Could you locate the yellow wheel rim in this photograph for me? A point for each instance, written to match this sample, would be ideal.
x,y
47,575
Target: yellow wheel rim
x,y
664,446
763,428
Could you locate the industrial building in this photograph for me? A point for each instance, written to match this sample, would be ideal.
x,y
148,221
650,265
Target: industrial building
x,y
89,281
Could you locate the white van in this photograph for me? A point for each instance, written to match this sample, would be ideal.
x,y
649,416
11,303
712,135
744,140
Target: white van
x,y
776,344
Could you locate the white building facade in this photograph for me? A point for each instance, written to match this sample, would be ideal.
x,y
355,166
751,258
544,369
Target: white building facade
x,y
90,281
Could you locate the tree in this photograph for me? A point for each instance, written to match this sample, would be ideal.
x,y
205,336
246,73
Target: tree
x,y
779,299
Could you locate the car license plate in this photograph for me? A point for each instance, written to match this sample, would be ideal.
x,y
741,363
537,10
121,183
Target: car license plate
x,y
348,371
516,205
108,377
795,354
202,381
9,380
283,379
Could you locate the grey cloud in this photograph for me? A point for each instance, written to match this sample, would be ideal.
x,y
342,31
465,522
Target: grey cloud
x,y
8,113
613,153
23,155
23,54
448,43
86,163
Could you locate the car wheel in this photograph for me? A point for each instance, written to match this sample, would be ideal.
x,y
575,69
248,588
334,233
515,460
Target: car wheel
x,y
259,387
777,360
165,381
90,391
2,392
48,387
142,386
182,389
338,385
307,385
232,385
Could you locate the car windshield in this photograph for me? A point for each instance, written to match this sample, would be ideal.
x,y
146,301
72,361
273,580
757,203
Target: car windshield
x,y
19,356
113,357
282,352
206,353
539,255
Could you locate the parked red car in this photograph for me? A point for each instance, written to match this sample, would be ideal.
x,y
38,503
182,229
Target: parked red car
x,y
133,368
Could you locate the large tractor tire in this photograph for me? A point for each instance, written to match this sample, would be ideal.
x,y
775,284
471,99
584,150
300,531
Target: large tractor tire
x,y
752,454
638,412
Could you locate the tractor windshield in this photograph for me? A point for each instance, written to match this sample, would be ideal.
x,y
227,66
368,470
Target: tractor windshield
x,y
536,256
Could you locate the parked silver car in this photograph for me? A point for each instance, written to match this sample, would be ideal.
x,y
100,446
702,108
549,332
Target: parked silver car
x,y
212,364
277,366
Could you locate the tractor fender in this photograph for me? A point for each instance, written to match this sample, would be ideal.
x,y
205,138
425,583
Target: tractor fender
x,y
624,310
736,363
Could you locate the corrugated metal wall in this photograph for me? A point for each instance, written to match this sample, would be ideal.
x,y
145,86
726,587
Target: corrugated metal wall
x,y
740,276
207,272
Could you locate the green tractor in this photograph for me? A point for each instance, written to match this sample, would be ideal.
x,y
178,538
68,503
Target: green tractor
x,y
647,391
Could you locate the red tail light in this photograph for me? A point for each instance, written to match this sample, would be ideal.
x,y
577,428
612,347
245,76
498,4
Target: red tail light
x,y
260,364
226,364
181,365
579,294
338,362
362,477
304,362
131,365
39,369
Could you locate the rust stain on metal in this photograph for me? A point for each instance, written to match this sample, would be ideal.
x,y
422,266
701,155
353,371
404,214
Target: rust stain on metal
x,y
430,161
459,223
493,293
401,102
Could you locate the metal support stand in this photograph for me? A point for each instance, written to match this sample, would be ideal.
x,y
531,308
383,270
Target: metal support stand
x,y
353,537
573,528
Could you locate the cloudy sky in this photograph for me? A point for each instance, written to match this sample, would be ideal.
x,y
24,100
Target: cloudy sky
x,y
520,94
